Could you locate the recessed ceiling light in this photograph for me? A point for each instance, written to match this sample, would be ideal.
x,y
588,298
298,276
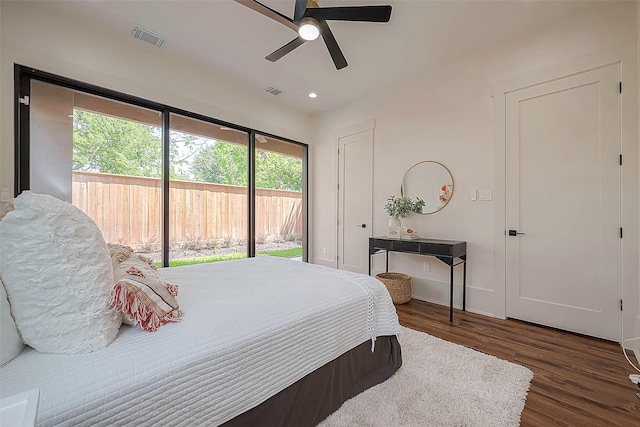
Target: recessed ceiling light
x,y
313,95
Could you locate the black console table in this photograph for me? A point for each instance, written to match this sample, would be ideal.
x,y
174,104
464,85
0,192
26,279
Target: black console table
x,y
445,250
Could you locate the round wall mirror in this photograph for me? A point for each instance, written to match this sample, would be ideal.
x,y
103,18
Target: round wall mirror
x,y
432,182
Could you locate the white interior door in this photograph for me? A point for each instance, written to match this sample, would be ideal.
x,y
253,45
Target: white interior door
x,y
355,189
563,194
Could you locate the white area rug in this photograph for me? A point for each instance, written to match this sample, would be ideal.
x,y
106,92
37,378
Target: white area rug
x,y
440,384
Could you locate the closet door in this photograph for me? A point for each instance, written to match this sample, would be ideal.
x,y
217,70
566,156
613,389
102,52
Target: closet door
x,y
355,194
563,203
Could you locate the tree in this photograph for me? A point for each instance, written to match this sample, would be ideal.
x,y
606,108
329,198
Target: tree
x,y
221,163
277,171
183,148
111,145
226,163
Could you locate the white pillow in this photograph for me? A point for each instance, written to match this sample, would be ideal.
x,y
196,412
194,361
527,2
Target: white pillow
x,y
10,342
57,272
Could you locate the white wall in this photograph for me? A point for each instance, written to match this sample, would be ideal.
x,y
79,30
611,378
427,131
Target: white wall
x,y
636,343
446,114
51,44
2,167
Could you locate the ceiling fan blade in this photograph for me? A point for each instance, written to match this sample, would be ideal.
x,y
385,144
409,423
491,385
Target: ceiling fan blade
x,y
351,13
298,13
274,56
269,13
336,54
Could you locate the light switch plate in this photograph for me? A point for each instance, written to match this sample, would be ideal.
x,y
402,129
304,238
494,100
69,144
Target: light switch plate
x,y
474,194
485,194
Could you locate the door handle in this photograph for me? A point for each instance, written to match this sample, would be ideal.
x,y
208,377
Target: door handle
x,y
361,225
514,233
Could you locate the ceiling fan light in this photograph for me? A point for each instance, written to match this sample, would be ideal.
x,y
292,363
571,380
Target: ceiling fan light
x,y
309,28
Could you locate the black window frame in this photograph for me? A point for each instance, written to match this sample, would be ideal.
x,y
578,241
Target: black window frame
x,y
22,92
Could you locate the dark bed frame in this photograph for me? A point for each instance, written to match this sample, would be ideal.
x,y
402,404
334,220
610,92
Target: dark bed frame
x,y
313,398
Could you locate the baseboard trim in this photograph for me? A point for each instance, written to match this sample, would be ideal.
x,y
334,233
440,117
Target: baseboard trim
x,y
325,262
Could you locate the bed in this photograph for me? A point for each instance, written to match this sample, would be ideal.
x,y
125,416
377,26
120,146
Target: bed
x,y
263,340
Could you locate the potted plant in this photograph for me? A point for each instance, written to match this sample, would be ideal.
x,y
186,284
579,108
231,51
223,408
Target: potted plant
x,y
401,207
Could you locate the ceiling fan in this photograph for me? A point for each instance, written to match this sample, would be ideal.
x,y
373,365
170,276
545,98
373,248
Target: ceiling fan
x,y
310,21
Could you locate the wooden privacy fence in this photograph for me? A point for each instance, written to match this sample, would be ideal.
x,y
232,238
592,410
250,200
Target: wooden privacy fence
x,y
128,209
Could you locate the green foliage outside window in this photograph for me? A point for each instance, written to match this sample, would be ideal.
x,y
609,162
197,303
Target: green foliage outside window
x,y
110,145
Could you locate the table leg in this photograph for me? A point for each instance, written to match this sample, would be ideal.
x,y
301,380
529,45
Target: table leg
x,y
387,270
370,255
464,285
451,293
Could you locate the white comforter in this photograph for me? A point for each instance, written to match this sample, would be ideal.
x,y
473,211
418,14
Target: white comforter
x,y
251,328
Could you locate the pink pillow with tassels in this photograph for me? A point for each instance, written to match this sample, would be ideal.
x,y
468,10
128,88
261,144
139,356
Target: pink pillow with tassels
x,y
142,296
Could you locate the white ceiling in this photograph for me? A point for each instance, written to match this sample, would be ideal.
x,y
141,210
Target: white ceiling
x,y
228,37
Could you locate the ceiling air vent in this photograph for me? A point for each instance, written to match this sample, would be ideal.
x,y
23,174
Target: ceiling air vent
x,y
273,90
149,36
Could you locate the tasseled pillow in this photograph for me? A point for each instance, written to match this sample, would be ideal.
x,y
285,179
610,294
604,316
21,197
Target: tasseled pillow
x,y
142,296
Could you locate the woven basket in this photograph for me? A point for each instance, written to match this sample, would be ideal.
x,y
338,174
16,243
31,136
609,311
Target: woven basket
x,y
398,285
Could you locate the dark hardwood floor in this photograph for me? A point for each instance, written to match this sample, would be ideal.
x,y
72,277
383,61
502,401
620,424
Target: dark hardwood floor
x,y
578,380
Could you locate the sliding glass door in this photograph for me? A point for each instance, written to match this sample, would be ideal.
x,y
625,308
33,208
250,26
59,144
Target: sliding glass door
x,y
176,186
103,156
208,208
280,205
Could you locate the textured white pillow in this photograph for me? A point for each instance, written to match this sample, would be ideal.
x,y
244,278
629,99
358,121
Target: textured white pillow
x,y
10,342
57,272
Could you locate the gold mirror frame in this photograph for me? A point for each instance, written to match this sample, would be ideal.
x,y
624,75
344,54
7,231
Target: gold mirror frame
x,y
432,182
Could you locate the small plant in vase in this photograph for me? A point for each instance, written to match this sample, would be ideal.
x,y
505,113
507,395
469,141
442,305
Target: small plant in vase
x,y
401,207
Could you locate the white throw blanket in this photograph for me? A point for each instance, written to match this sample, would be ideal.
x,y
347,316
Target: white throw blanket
x,y
371,288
